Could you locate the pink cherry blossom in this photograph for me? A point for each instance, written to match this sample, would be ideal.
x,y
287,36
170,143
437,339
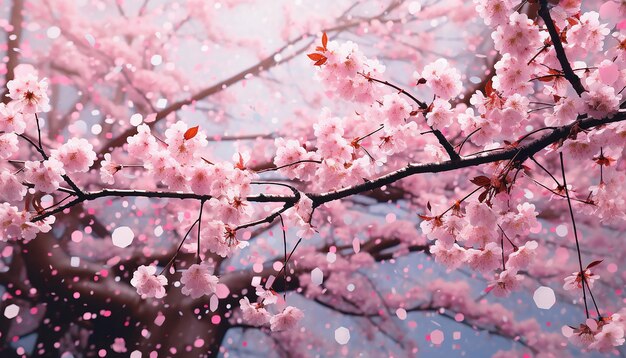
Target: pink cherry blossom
x,y
523,256
254,314
108,169
444,80
513,76
46,175
441,115
589,33
574,282
11,119
269,297
564,111
487,259
395,109
452,257
291,151
8,145
494,12
609,207
142,144
519,37
220,239
507,281
11,189
599,101
149,284
182,149
76,155
198,281
286,320
16,225
10,222
611,335
29,94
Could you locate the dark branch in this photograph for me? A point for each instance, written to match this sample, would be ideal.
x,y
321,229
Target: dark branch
x,y
569,74
261,198
520,154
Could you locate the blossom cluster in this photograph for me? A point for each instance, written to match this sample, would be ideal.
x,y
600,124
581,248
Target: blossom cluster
x,y
257,315
603,334
468,237
28,96
491,233
389,129
197,281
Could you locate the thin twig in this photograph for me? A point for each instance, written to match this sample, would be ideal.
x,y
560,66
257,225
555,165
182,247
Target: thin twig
x,y
290,164
571,212
282,228
179,247
286,261
545,170
198,260
423,106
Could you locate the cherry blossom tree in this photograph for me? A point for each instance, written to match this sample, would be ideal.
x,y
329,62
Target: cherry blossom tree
x,y
329,178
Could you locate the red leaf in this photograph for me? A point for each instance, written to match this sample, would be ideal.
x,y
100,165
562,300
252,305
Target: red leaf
x,y
320,48
481,180
593,264
191,132
489,88
483,196
324,40
320,62
316,56
428,206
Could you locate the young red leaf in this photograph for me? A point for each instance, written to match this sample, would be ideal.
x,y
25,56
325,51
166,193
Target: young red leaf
x,y
324,40
320,62
316,56
481,180
548,78
191,132
483,196
593,264
489,88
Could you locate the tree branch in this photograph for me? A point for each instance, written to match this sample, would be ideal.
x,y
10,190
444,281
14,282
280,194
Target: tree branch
x,y
87,196
520,154
569,74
